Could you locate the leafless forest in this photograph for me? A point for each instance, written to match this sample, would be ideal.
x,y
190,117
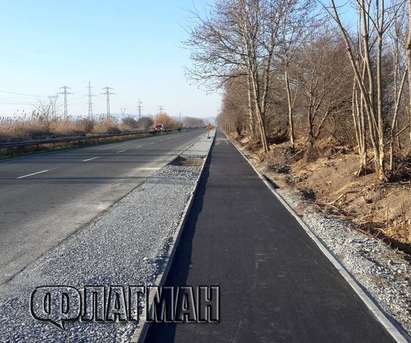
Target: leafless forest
x,y
319,90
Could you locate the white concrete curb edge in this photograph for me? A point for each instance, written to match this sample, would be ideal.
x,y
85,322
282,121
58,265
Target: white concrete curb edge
x,y
140,332
382,317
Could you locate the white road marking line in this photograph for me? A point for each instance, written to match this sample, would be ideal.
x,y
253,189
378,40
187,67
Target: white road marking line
x,y
90,159
149,168
119,152
32,174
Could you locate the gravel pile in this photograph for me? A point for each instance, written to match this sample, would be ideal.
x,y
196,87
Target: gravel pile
x,y
385,273
126,245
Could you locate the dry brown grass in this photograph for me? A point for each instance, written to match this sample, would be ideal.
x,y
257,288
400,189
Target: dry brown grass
x,y
31,128
71,127
23,129
106,126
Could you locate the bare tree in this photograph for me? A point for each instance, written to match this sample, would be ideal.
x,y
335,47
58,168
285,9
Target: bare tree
x,y
240,39
296,24
145,123
192,122
408,49
375,18
400,72
322,65
216,50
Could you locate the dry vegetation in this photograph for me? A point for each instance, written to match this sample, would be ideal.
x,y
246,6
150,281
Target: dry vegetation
x,y
325,103
380,209
38,127
41,125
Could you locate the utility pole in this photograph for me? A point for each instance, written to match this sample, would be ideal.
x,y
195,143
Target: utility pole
x,y
53,100
107,93
140,108
65,92
90,102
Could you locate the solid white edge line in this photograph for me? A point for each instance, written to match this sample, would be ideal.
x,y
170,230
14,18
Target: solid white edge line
x,y
90,159
380,315
140,332
32,174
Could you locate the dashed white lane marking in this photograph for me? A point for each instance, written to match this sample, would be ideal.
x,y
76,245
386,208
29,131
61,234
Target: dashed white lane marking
x,y
32,174
124,150
90,159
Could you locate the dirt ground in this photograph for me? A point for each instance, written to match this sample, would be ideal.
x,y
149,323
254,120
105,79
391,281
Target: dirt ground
x,y
383,210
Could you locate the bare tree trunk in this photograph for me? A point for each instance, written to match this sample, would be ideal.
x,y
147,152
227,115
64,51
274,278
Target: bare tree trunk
x,y
380,100
249,31
359,126
408,49
290,108
309,155
250,110
398,96
374,116
259,116
358,110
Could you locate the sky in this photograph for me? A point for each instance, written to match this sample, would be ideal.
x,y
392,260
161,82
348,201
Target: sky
x,y
133,46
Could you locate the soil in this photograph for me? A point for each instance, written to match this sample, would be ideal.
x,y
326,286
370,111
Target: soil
x,y
330,181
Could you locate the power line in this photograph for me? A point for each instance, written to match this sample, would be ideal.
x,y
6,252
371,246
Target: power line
x,y
140,108
21,94
90,102
53,100
107,93
65,92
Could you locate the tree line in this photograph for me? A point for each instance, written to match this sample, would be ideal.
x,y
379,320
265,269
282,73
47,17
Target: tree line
x,y
312,70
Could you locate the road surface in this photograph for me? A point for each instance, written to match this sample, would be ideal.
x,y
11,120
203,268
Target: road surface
x,y
276,285
46,197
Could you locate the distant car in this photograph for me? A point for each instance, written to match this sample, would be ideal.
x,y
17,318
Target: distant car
x,y
159,128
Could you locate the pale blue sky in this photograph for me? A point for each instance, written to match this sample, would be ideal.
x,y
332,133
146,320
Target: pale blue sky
x,y
133,46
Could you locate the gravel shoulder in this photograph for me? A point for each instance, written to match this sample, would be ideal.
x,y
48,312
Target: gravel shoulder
x,y
384,273
126,245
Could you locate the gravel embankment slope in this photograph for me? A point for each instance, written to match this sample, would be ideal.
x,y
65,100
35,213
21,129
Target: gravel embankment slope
x,y
123,246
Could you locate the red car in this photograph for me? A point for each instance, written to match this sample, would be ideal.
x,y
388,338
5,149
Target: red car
x,y
159,127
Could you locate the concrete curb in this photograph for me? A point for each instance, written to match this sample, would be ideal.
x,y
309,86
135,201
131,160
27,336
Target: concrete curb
x,y
140,333
397,333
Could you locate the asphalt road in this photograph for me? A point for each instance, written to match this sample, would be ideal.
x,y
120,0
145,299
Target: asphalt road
x,y
276,285
46,197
